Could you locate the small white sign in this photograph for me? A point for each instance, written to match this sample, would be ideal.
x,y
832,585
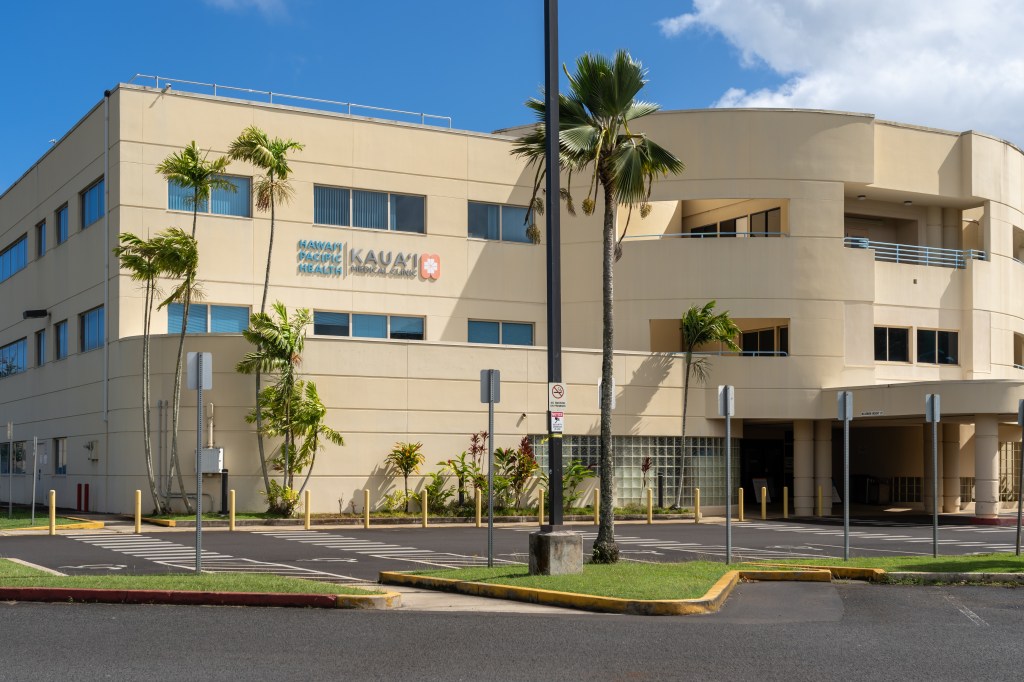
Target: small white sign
x,y
193,371
557,422
557,398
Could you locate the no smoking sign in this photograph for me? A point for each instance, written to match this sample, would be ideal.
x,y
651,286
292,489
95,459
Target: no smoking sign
x,y
557,397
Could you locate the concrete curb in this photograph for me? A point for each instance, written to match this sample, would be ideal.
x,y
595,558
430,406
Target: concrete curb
x,y
81,524
388,600
1017,578
875,575
711,602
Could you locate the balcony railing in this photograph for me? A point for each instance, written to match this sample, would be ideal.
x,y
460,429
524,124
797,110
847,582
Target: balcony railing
x,y
917,255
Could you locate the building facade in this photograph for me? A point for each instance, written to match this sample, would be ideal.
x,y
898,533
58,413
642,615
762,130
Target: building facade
x,y
854,254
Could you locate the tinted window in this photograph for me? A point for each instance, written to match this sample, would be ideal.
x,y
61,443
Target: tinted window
x,y
197,313
228,319
92,204
237,203
484,220
331,206
513,224
330,324
408,328
370,209
370,326
406,213
91,329
516,334
484,332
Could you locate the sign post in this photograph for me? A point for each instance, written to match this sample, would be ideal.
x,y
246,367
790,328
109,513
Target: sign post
x,y
844,400
1020,490
10,469
200,377
932,414
490,393
726,408
35,472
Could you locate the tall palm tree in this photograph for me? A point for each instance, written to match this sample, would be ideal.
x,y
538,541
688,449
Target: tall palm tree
x,y
140,258
595,132
278,345
269,155
700,326
192,170
177,254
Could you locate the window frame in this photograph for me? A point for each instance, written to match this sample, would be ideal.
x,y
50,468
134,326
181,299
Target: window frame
x,y
10,251
22,352
83,197
888,343
61,235
206,208
207,317
501,332
388,327
60,456
41,238
389,202
501,221
83,329
40,347
60,336
954,333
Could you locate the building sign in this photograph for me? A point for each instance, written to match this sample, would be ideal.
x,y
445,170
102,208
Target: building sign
x,y
335,259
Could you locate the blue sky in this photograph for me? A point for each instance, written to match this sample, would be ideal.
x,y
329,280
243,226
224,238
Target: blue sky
x,y
935,62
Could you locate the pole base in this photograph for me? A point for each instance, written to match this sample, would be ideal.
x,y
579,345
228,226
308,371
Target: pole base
x,y
556,553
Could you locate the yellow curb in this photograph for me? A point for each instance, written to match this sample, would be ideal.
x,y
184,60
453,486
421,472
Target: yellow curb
x,y
875,575
711,602
81,525
166,523
388,600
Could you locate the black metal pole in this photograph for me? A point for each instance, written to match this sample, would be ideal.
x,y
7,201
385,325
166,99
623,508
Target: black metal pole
x,y
661,491
554,248
224,492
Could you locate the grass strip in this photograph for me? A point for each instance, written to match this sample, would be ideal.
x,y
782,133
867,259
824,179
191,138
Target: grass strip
x,y
22,518
974,563
16,575
624,580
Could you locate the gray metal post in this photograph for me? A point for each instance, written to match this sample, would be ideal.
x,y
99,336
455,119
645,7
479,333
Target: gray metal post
x,y
35,470
846,488
1020,490
10,469
199,464
490,469
935,488
728,488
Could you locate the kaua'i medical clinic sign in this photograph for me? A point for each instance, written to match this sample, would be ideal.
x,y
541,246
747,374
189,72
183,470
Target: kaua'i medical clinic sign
x,y
337,259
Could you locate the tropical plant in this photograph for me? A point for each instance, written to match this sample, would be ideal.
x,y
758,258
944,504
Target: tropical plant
x,y
406,458
516,466
645,471
595,119
573,476
700,326
269,155
140,258
396,501
438,493
192,170
178,257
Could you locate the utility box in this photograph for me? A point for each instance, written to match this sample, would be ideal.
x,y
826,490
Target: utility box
x,y
211,460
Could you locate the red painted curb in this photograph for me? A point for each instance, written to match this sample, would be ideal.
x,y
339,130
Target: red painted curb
x,y
62,594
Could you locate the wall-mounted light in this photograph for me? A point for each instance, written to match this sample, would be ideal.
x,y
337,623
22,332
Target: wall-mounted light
x,y
908,202
34,314
862,197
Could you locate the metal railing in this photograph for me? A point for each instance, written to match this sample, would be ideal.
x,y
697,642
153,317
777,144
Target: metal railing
x,y
742,353
277,97
708,235
918,255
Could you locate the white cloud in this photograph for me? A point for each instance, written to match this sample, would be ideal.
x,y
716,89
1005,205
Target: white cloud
x,y
943,63
270,9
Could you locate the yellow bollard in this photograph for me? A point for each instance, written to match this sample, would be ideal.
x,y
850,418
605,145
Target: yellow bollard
x,y
479,506
540,507
696,505
650,506
305,521
53,512
231,510
597,505
785,502
764,502
424,506
138,512
366,508
740,502
819,501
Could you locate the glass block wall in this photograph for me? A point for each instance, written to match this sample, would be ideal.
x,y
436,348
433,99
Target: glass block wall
x,y
1009,471
703,465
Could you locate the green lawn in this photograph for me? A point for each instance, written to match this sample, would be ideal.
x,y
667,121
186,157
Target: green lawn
x,y
981,563
626,579
22,518
16,575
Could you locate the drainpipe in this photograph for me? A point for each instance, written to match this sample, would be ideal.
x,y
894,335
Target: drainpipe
x,y
106,297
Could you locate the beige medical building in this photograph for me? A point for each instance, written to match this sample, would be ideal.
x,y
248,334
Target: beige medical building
x,y
855,254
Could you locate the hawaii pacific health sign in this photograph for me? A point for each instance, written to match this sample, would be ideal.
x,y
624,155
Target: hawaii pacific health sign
x,y
334,259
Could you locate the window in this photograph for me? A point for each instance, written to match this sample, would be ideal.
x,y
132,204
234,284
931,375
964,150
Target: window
x,y
60,340
498,222
13,358
506,333
760,342
92,203
61,222
368,326
937,347
706,230
40,348
892,344
60,456
14,258
766,223
202,319
19,457
222,201
90,329
41,239
344,207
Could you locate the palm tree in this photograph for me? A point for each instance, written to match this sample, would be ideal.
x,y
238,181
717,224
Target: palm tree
x,y
406,458
278,349
307,426
270,155
595,118
177,254
190,169
139,257
700,327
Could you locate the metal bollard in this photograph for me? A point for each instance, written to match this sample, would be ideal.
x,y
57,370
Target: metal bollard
x,y
819,501
764,502
479,506
597,505
53,512
424,499
231,510
138,512
740,502
696,505
661,491
305,520
540,508
366,508
650,506
785,502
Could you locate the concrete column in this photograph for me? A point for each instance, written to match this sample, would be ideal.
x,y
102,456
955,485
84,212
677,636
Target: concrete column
x,y
823,463
933,227
986,465
926,481
803,467
952,228
950,468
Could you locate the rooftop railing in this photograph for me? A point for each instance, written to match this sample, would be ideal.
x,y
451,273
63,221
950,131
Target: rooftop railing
x,y
917,255
282,98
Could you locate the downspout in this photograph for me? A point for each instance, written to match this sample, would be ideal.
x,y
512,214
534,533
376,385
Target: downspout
x,y
106,297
